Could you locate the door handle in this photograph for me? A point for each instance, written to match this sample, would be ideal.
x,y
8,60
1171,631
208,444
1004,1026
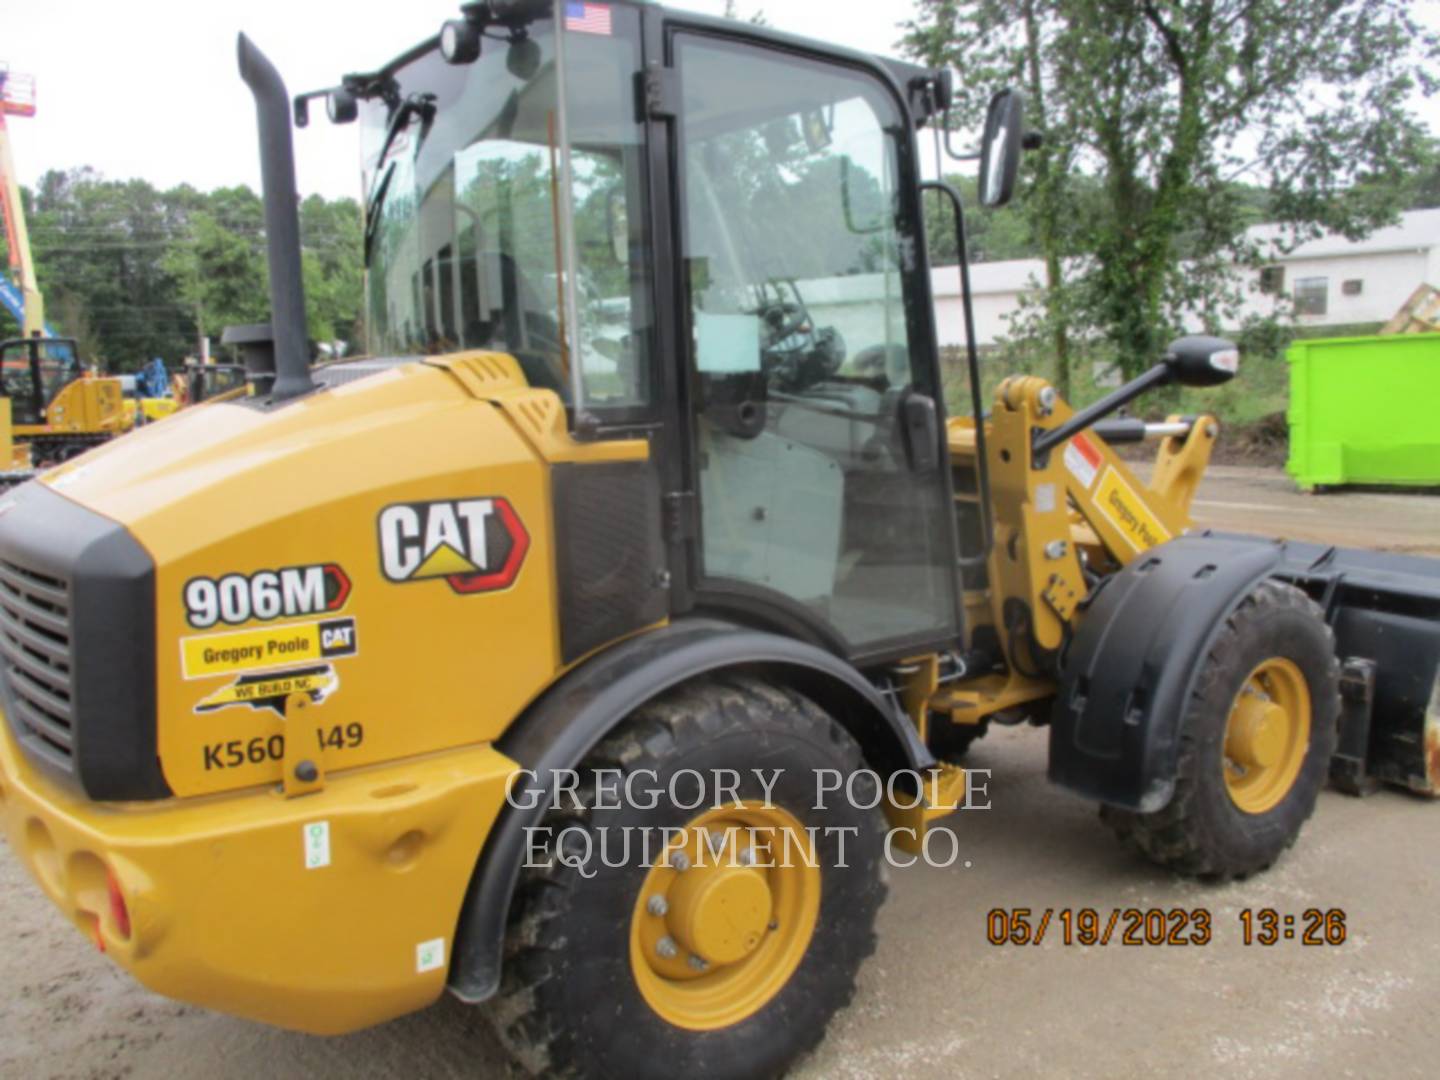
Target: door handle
x,y
921,424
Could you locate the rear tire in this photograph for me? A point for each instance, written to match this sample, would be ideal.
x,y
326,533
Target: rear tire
x,y
1223,821
572,1002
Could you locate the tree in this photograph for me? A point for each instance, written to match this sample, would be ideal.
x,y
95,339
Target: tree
x,y
1167,104
1010,42
135,272
732,11
217,264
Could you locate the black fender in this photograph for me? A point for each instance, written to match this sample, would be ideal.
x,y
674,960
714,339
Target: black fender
x,y
574,715
1129,670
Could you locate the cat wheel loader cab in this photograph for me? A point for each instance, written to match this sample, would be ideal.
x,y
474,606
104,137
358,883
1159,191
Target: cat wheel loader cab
x,y
316,697
55,405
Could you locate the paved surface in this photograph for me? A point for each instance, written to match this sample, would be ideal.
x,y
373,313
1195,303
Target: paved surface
x,y
1265,501
937,998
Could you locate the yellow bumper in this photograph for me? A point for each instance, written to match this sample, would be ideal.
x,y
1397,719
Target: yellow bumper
x,y
241,903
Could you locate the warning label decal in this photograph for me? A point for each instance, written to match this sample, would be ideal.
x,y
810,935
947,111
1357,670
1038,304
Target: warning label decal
x,y
1083,460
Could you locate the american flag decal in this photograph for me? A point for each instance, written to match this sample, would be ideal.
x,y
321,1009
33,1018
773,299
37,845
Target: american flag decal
x,y
587,18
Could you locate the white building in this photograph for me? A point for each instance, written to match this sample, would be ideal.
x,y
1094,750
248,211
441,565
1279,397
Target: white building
x,y
1330,281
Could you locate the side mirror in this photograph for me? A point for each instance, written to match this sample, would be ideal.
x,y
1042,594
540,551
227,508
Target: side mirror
x,y
341,106
1202,361
523,58
617,224
1000,152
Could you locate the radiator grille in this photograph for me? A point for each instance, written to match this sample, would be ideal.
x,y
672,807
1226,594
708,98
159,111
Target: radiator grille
x,y
35,651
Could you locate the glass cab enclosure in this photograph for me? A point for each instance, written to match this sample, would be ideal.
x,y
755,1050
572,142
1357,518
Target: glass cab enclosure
x,y
34,370
537,200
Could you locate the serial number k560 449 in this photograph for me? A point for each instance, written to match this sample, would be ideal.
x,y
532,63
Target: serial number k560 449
x,y
236,752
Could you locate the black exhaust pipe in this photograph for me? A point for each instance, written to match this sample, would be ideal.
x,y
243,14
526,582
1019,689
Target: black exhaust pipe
x,y
282,223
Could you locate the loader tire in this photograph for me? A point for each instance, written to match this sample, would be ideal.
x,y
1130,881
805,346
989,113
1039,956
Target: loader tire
x,y
589,991
1242,792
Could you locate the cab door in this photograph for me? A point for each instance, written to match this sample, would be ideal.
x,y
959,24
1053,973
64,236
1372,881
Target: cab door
x,y
813,400
20,364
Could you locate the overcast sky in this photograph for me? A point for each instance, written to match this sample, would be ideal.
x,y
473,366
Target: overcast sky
x,y
149,88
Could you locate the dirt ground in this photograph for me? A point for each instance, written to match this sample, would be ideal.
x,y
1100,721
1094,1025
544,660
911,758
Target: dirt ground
x,y
937,997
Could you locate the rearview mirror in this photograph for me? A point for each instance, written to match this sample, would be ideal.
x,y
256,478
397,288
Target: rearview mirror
x,y
1000,152
1202,361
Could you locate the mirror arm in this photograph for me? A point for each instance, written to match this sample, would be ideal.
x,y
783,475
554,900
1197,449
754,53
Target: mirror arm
x,y
974,155
972,362
1044,442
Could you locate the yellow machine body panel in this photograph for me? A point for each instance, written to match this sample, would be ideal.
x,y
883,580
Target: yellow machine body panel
x,y
330,549
323,914
92,405
148,410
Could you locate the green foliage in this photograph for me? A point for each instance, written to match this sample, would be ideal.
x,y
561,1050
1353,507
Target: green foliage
x,y
134,272
1158,114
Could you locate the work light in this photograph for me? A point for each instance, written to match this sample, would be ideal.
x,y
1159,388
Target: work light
x,y
459,41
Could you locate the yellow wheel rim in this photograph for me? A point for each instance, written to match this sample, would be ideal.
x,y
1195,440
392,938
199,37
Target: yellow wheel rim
x,y
725,916
1267,735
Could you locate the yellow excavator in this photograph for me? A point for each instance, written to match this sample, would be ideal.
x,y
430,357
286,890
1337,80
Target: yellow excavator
x,y
589,648
58,408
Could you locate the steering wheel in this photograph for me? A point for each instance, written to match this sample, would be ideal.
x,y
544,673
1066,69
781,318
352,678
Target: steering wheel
x,y
783,320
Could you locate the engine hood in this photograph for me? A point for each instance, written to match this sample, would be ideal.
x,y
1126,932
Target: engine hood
x,y
378,551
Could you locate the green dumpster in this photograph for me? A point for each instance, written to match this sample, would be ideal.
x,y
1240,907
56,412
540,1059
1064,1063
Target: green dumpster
x,y
1365,410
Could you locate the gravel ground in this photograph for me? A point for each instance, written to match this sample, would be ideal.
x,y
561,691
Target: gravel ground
x,y
937,997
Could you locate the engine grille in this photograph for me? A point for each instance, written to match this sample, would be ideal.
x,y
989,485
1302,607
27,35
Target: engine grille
x,y
36,658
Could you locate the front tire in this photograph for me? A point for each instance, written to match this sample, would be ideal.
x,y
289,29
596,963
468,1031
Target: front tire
x,y
604,975
1255,743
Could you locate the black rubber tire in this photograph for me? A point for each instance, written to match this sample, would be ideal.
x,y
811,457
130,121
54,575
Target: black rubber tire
x,y
1202,833
569,1005
951,742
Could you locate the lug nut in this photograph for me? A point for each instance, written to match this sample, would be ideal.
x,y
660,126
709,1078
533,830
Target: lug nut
x,y
680,861
698,963
657,906
667,948
1055,549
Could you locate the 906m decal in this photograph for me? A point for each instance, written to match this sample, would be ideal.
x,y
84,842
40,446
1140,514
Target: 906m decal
x,y
265,595
475,545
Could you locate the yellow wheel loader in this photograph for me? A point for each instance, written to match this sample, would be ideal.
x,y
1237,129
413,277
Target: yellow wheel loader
x,y
589,648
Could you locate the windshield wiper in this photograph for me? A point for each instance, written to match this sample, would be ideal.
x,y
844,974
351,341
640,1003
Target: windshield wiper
x,y
421,105
372,210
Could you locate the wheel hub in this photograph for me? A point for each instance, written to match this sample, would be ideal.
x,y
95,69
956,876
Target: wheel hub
x,y
1257,734
719,911
724,916
1267,735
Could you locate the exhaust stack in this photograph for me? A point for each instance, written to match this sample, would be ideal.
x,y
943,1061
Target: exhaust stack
x,y
282,223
